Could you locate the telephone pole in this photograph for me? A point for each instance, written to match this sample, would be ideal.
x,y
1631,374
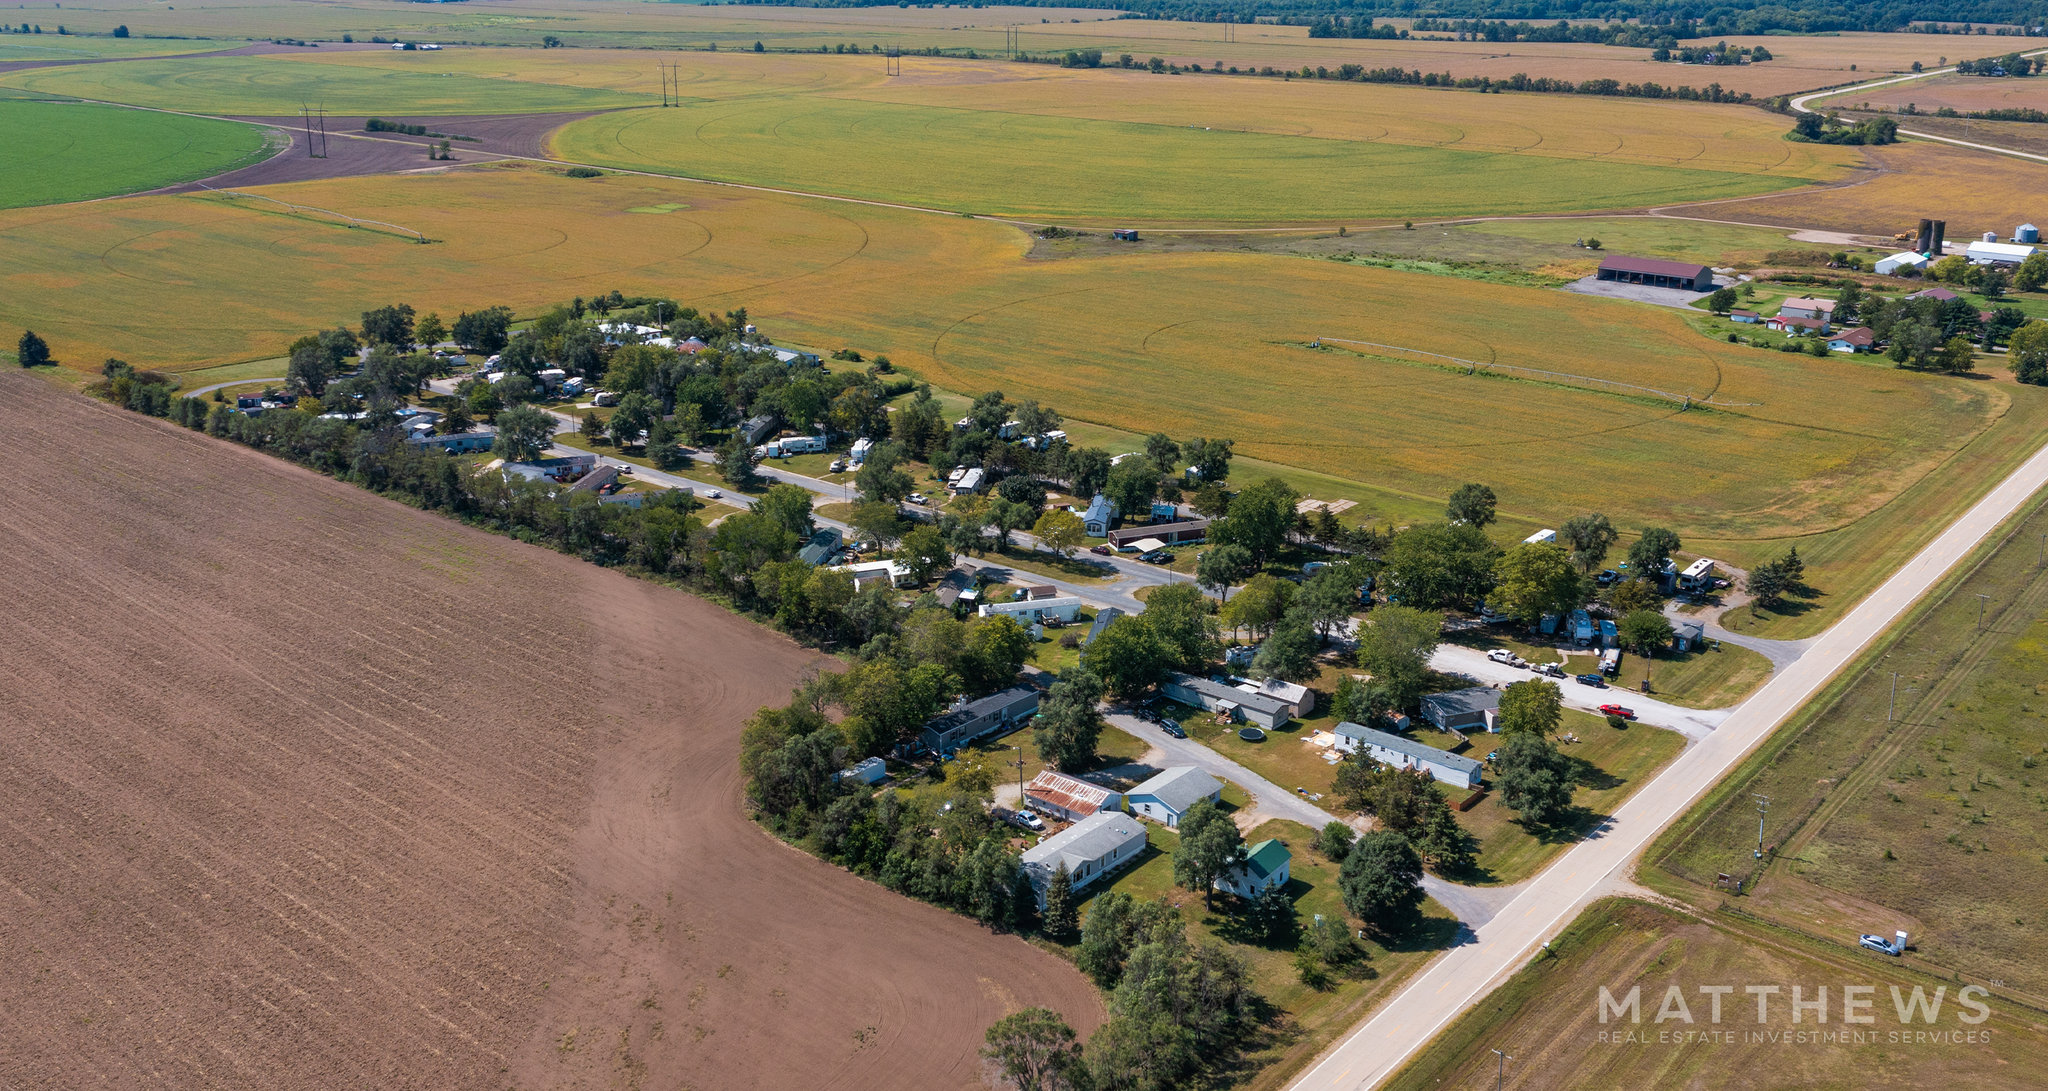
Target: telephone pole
x,y
1894,708
1500,1068
1763,807
1981,600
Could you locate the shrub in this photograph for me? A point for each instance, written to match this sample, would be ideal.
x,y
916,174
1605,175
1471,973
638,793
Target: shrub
x,y
584,172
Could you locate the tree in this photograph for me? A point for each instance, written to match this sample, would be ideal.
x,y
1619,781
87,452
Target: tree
x,y
1439,564
1335,840
877,522
1009,517
1472,504
389,325
1533,706
1178,615
1534,778
308,371
1034,1049
1645,631
1128,656
1222,567
879,479
1069,724
484,401
1360,701
1328,598
32,351
1060,531
430,332
995,650
924,552
1395,647
523,433
483,331
1766,585
736,464
1061,921
1722,301
1132,484
1209,847
1382,883
1649,552
1163,451
591,427
2032,273
1290,652
455,420
1258,520
2027,352
1260,606
636,413
1209,457
1589,537
1533,579
790,507
1957,356
1442,843
1631,595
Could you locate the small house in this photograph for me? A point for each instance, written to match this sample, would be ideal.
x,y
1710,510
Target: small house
x,y
1069,798
1166,534
1804,307
1090,849
1942,294
1656,273
1210,695
868,574
1171,792
969,483
868,771
1462,708
1685,634
1404,753
1852,341
457,443
1263,868
1794,326
754,430
1039,591
967,720
1299,699
1100,516
822,546
1034,611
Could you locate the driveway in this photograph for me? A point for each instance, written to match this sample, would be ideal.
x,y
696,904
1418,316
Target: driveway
x,y
1694,723
1781,653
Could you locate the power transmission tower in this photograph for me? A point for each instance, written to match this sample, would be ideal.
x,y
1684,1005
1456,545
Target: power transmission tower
x,y
892,62
1230,32
306,121
320,132
1013,39
671,84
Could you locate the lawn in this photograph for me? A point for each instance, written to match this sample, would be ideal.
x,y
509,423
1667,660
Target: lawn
x,y
1310,1019
1701,678
68,151
1922,814
1116,747
390,83
1546,1017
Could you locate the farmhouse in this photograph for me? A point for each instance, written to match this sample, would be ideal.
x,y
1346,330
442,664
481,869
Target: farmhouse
x,y
1191,530
967,721
1657,273
1101,513
1170,793
1072,799
1091,848
1857,340
1404,753
1904,259
1210,695
1802,307
1461,708
1264,868
1028,611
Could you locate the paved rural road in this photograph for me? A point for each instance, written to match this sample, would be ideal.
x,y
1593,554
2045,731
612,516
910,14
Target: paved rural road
x,y
1472,905
1799,106
237,382
1402,1024
1693,723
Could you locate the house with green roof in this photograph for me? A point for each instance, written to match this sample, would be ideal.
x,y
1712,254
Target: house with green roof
x,y
1264,868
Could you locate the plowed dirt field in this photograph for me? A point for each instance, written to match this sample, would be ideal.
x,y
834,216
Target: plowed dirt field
x,y
301,788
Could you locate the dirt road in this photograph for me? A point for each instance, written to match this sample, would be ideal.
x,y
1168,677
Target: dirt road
x,y
304,788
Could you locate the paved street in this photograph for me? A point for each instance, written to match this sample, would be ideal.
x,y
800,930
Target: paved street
x,y
1695,724
1460,977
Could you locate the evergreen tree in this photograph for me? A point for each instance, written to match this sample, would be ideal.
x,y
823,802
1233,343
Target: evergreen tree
x,y
31,350
1062,915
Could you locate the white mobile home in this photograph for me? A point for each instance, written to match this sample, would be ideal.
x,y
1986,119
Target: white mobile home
x,y
1210,695
1170,792
1031,611
1091,848
1404,753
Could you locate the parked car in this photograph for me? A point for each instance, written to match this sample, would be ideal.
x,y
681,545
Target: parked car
x,y
1606,577
1551,669
1593,680
1617,710
1157,556
1501,655
838,464
1028,820
713,494
920,498
1103,550
1173,729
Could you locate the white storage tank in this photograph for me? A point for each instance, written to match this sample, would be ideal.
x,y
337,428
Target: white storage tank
x,y
2026,233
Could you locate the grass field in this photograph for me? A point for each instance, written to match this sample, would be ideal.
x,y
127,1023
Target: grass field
x,y
398,83
1191,344
1925,818
51,46
74,152
1546,1017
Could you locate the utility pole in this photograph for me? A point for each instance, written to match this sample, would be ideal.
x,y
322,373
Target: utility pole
x,y
1893,710
1763,807
1500,1068
1981,600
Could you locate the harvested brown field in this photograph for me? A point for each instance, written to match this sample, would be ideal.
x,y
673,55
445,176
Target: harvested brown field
x,y
306,789
1964,93
1975,191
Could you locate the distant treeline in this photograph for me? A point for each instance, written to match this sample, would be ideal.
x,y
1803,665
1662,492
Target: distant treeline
x,y
1698,19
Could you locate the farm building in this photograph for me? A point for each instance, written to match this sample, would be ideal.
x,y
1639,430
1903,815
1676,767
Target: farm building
x,y
1685,634
1299,699
1213,696
2026,233
1657,273
1070,798
1101,513
1170,793
1942,294
967,721
459,443
1803,307
1102,619
1462,708
1029,611
1404,753
1748,318
1904,259
1091,848
822,545
1191,530
1859,339
1263,868
1997,253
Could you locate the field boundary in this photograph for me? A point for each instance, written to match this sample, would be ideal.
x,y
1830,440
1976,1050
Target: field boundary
x,y
353,221
1472,367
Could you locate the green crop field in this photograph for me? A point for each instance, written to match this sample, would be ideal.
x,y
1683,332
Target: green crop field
x,y
1923,816
279,85
60,152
